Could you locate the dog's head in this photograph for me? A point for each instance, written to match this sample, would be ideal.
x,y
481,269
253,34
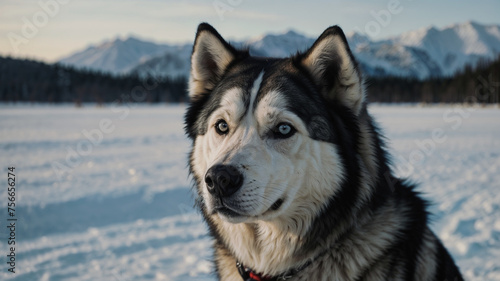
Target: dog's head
x,y
265,130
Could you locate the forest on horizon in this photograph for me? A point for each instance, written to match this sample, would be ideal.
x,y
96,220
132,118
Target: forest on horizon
x,y
23,80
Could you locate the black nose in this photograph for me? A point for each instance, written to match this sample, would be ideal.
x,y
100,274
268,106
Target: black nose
x,y
223,180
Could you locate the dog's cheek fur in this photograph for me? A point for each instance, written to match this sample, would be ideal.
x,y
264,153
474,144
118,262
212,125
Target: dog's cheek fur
x,y
300,161
199,167
311,183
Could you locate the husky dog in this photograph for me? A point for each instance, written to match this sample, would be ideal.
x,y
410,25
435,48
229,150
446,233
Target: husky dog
x,y
291,173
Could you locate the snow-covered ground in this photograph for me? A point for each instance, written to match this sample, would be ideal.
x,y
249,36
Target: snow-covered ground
x,y
103,193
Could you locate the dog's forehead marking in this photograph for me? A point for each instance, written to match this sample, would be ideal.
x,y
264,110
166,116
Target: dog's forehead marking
x,y
238,103
253,92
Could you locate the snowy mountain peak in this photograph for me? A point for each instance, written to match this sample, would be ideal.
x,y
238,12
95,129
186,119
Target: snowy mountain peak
x,y
292,33
279,45
119,55
468,24
119,41
455,46
421,53
289,34
356,39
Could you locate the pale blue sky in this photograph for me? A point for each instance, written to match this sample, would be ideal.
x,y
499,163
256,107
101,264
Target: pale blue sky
x,y
69,25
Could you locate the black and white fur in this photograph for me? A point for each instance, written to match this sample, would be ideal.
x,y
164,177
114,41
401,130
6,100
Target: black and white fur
x,y
290,169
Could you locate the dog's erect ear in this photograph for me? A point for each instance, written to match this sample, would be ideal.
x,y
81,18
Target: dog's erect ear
x,y
211,55
332,65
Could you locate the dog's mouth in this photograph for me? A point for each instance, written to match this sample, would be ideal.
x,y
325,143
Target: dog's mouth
x,y
223,210
230,212
276,205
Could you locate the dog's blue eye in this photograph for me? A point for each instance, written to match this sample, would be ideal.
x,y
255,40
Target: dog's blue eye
x,y
221,127
284,130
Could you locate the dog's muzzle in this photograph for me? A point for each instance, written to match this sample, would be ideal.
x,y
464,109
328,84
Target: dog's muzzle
x,y
223,180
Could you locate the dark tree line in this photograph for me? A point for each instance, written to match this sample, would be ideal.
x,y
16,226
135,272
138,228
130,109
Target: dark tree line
x,y
480,84
32,81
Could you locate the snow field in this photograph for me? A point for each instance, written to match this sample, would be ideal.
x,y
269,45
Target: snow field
x,y
114,202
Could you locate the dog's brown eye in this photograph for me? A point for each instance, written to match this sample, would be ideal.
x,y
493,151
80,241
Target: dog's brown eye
x,y
221,127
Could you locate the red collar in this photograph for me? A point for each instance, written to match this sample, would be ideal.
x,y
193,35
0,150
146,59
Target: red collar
x,y
249,275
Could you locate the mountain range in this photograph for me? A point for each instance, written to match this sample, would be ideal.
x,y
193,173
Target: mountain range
x,y
423,53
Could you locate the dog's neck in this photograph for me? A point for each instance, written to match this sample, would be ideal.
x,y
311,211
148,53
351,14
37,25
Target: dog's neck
x,y
269,247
